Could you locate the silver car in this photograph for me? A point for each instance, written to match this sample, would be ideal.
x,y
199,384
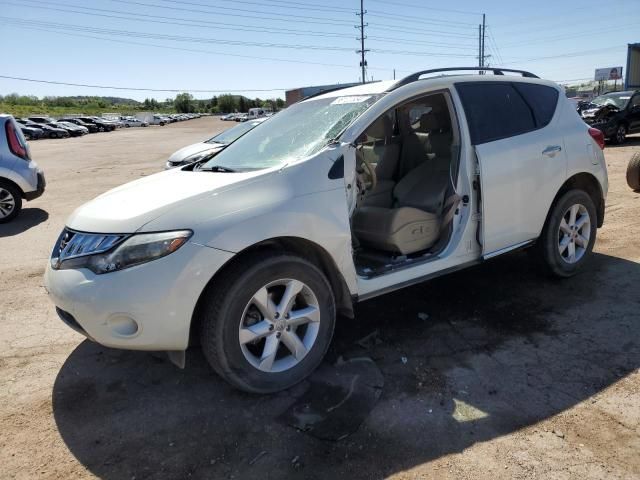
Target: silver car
x,y
20,177
208,148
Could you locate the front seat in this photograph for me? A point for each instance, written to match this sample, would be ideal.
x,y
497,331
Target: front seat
x,y
414,219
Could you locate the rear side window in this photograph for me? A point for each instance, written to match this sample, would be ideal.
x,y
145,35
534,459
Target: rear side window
x,y
504,109
541,99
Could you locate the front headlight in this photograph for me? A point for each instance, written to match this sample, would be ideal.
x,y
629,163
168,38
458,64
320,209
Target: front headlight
x,y
195,157
135,250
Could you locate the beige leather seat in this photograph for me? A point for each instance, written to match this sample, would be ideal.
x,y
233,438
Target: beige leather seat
x,y
411,220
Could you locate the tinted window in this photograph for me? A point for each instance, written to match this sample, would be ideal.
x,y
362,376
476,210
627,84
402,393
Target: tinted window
x,y
494,111
541,99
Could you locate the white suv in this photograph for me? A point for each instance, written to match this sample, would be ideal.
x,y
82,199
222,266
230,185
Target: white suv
x,y
339,198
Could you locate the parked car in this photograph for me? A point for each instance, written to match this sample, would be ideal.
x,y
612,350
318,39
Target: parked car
x,y
91,127
73,129
339,198
241,117
198,151
31,133
100,124
49,131
159,120
614,114
133,122
20,177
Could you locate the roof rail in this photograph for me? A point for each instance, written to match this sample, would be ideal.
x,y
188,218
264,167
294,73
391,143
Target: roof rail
x,y
496,71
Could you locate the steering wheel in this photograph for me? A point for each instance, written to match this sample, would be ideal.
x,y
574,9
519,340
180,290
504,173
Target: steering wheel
x,y
364,167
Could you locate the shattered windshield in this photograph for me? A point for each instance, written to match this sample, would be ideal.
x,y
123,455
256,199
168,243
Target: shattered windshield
x,y
616,100
298,132
234,133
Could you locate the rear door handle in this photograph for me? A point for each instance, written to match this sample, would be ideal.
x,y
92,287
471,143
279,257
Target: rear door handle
x,y
551,150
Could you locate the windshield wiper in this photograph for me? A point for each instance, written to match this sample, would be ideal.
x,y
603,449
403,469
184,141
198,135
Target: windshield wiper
x,y
218,168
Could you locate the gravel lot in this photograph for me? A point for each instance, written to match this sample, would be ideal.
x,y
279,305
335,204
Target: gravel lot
x,y
512,375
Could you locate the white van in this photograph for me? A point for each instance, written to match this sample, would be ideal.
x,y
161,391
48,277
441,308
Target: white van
x,y
256,113
339,198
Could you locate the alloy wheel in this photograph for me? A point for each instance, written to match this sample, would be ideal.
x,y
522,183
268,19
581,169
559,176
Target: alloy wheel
x,y
279,325
621,134
574,233
7,203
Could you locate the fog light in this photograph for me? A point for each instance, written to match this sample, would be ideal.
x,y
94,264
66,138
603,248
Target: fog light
x,y
123,326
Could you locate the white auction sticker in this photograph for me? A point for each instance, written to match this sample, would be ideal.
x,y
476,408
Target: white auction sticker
x,y
351,99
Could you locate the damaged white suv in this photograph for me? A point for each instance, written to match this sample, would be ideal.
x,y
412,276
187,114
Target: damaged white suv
x,y
344,196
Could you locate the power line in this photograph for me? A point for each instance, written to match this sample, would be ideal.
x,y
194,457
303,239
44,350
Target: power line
x,y
177,20
426,7
138,89
220,26
297,18
180,38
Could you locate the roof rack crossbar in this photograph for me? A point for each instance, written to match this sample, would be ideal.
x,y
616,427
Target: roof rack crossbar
x,y
496,71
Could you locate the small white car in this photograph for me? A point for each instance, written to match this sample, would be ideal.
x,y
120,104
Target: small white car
x,y
133,122
339,198
198,151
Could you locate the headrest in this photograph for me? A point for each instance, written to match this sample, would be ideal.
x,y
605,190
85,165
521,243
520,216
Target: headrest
x,y
428,122
381,128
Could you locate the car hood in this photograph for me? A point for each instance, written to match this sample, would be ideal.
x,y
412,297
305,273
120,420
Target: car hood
x,y
594,112
129,207
193,149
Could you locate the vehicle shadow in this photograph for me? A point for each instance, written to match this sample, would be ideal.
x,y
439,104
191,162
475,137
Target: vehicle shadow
x,y
466,358
28,218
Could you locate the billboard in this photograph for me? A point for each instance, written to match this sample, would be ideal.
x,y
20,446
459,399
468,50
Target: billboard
x,y
609,73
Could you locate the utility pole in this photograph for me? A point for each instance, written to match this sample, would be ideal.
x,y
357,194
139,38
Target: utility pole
x,y
362,51
483,35
480,47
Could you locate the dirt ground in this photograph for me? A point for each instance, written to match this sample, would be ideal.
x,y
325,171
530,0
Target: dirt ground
x,y
493,372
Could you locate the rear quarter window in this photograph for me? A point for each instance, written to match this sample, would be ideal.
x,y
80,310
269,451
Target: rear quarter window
x,y
542,100
497,110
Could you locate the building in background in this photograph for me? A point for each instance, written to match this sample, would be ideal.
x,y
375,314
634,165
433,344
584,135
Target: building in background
x,y
632,78
297,94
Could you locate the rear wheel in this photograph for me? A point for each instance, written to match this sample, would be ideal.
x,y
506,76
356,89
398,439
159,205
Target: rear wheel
x,y
10,202
633,172
568,236
267,322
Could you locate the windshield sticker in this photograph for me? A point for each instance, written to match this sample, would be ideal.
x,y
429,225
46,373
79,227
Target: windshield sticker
x,y
351,99
625,98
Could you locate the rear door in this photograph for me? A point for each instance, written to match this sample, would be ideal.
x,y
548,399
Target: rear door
x,y
634,113
521,157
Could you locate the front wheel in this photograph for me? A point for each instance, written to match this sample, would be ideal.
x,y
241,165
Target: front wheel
x,y
267,322
568,236
620,136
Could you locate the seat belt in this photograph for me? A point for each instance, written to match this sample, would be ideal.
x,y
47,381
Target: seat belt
x,y
450,206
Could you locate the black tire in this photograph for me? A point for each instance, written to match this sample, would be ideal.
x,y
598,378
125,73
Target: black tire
x,y
620,135
127,125
222,310
17,199
548,243
633,172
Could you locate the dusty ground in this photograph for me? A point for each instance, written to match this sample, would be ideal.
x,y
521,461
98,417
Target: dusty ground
x,y
512,375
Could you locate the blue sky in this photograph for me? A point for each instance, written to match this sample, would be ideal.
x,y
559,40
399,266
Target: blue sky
x,y
249,45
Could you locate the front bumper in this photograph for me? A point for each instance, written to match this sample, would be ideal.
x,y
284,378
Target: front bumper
x,y
147,307
608,129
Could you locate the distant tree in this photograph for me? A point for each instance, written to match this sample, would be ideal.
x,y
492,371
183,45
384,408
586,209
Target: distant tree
x,y
242,104
183,103
227,103
279,103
